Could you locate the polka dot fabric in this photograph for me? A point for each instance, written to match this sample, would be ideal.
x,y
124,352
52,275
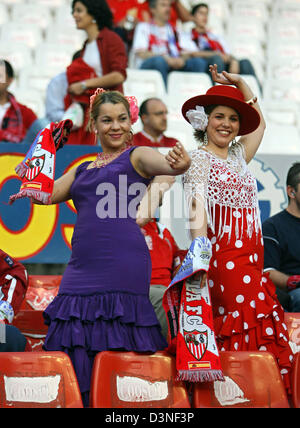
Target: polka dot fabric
x,y
247,314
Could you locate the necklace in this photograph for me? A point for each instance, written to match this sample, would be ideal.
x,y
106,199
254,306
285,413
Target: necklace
x,y
103,159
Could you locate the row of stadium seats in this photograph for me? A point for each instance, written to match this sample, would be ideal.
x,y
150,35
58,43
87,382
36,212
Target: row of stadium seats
x,y
132,380
128,379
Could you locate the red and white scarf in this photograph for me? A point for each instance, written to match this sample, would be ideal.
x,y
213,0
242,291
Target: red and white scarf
x,y
38,167
189,313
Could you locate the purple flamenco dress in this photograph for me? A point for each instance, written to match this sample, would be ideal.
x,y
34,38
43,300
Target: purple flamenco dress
x,y
103,302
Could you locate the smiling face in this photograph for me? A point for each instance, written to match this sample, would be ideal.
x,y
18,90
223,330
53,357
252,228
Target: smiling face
x,y
113,126
81,16
223,126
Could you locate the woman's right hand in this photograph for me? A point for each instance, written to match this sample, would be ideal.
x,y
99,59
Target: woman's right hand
x,y
224,78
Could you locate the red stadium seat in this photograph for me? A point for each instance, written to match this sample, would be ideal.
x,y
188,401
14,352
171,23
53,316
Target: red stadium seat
x,y
292,321
295,381
129,379
252,379
38,379
31,324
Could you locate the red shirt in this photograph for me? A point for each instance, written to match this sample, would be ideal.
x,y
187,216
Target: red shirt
x,y
16,121
143,139
119,9
164,252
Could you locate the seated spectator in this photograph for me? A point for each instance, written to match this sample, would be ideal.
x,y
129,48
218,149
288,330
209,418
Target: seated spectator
x,y
102,62
13,287
165,258
202,43
18,123
127,13
155,45
153,113
281,234
57,90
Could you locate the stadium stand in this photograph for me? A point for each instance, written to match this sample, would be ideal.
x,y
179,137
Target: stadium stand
x,y
265,31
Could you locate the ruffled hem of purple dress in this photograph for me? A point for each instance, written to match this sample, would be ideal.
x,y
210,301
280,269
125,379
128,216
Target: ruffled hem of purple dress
x,y
82,326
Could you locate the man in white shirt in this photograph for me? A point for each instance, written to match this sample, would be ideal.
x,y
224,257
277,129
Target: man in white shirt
x,y
155,45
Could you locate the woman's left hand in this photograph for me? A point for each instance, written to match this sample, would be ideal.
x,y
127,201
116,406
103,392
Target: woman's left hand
x,y
224,78
178,158
76,88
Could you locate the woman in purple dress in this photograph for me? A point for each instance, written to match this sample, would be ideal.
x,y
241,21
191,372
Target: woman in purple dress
x,y
103,301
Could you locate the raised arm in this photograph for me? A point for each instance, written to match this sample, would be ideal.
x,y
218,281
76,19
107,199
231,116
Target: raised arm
x,y
61,188
251,142
148,162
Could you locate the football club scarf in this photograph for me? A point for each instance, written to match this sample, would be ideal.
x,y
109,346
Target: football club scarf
x,y
38,167
205,41
189,314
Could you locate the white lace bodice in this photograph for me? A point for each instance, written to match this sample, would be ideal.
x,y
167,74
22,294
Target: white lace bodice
x,y
226,183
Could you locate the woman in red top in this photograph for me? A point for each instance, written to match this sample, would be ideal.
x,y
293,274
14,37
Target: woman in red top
x,y
102,62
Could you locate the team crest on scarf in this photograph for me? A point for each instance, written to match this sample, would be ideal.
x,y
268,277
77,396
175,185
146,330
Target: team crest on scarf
x,y
196,342
36,166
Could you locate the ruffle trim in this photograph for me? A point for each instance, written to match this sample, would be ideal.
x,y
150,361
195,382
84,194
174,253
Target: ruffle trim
x,y
103,321
40,196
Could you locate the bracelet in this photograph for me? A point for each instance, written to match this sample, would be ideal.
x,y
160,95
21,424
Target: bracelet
x,y
84,86
252,101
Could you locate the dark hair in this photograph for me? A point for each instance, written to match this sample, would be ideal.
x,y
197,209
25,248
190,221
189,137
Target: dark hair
x,y
293,175
143,107
152,3
99,10
196,7
8,68
199,135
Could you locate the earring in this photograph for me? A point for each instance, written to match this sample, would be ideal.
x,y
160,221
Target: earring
x,y
205,139
94,21
233,142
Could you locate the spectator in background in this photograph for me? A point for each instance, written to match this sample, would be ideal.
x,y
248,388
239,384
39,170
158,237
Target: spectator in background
x,y
17,122
13,287
126,14
281,234
155,45
102,62
153,113
202,43
57,90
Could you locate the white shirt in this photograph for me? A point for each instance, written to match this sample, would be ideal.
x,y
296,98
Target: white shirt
x,y
141,40
3,110
92,57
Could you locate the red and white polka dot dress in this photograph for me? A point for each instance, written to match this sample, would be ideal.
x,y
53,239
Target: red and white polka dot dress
x,y
247,313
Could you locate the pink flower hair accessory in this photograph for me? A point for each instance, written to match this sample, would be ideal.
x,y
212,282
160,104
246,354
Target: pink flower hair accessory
x,y
92,97
134,109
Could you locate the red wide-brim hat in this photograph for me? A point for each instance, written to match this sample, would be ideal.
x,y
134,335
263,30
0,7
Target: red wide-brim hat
x,y
229,96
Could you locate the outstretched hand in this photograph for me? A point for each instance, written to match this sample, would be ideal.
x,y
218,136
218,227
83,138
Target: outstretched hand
x,y
224,78
178,158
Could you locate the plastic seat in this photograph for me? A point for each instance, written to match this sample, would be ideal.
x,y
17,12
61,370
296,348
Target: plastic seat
x,y
252,379
38,379
295,381
184,85
145,83
129,379
292,321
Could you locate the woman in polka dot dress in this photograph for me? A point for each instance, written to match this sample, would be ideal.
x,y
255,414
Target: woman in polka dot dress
x,y
222,196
